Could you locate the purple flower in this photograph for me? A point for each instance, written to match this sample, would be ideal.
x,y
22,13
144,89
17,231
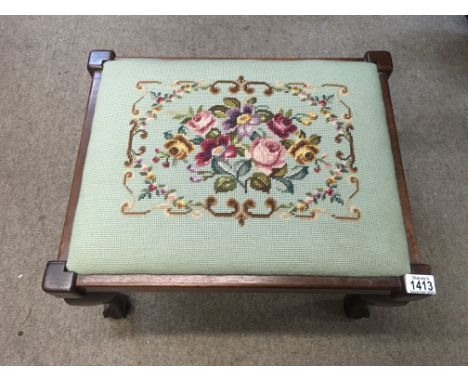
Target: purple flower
x,y
243,119
196,178
192,168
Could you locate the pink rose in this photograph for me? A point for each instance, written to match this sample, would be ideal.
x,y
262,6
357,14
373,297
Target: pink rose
x,y
267,154
202,122
281,126
309,200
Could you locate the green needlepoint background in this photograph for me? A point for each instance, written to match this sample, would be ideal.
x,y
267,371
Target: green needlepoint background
x,y
106,241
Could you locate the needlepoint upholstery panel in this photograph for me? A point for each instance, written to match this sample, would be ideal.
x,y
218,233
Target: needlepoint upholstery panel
x,y
239,167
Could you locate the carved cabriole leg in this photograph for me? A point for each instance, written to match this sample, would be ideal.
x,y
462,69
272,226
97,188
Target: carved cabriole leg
x,y
116,305
356,306
61,283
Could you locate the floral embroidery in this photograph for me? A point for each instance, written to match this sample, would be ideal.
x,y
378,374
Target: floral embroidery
x,y
243,145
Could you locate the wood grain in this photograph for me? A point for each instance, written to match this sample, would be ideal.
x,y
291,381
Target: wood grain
x,y
80,161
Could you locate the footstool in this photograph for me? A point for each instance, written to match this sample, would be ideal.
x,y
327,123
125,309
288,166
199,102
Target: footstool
x,y
239,174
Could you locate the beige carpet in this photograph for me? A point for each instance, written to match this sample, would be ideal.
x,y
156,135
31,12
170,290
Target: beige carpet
x,y
43,92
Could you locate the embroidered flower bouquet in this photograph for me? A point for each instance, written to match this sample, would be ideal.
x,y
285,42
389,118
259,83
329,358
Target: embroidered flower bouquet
x,y
243,143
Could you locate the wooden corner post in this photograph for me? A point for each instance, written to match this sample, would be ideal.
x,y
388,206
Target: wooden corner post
x,y
57,280
382,59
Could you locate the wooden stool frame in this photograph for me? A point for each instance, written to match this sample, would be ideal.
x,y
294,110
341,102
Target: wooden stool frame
x,y
108,290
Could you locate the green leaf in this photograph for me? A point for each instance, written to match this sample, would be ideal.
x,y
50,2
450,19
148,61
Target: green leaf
x,y
197,140
287,183
243,167
315,139
217,169
287,143
280,172
231,102
185,120
301,174
219,110
225,184
281,111
259,181
254,136
252,100
265,115
200,108
182,129
235,139
289,113
168,135
213,133
302,134
240,151
191,111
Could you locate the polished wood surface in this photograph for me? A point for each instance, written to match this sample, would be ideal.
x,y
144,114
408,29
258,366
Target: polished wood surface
x,y
238,282
399,172
246,58
80,161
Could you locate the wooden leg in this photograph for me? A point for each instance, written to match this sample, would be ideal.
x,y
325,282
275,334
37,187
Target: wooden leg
x,y
117,307
61,283
355,307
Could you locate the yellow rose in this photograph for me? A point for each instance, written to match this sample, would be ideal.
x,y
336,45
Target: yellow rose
x,y
150,176
295,89
306,121
312,115
301,206
179,146
180,203
303,151
331,180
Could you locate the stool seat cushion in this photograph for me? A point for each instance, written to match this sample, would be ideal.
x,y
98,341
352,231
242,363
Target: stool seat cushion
x,y
239,167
